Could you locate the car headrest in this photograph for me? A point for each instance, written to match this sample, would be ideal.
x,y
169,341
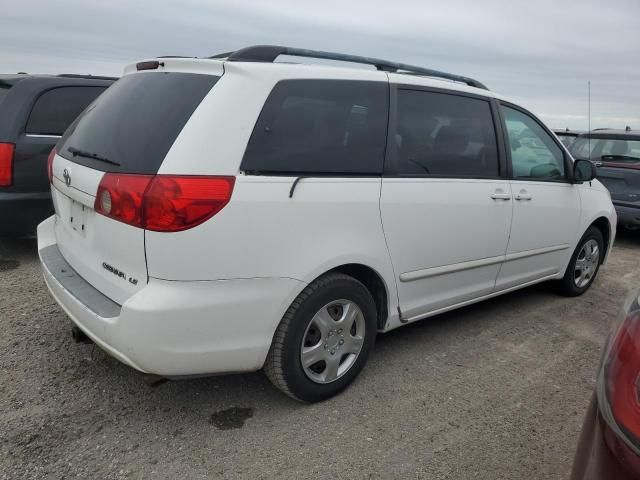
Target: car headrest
x,y
452,140
620,147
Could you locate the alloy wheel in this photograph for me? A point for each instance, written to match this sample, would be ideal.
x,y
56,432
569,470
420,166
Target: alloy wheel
x,y
586,263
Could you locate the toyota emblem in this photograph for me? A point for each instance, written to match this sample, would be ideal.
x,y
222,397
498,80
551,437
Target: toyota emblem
x,y
67,177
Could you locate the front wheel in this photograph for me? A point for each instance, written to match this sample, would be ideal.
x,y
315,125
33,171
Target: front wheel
x,y
324,339
584,264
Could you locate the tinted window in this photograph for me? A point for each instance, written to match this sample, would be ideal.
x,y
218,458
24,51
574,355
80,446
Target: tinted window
x,y
55,109
615,149
567,140
320,126
534,153
445,135
136,121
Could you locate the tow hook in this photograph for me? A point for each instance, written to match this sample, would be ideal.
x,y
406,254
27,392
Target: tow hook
x,y
79,336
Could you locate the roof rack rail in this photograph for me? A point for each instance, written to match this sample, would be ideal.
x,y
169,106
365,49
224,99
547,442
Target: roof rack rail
x,y
79,75
268,53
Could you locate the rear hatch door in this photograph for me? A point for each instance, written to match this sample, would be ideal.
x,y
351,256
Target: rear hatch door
x,y
127,130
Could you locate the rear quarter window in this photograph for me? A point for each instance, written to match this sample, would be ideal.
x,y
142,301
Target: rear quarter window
x,y
55,109
320,127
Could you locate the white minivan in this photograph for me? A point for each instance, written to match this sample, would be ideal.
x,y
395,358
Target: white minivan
x,y
236,213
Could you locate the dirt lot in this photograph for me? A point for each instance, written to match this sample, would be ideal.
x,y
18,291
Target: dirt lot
x,y
496,390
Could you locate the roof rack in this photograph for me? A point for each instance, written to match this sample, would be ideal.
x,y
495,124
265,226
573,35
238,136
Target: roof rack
x,y
93,77
268,53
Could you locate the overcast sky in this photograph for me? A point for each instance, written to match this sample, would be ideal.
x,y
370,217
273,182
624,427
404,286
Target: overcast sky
x,y
539,52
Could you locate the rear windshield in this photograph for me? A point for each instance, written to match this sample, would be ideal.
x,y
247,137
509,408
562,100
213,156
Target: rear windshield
x,y
131,127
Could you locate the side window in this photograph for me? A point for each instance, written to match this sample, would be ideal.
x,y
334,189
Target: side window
x,y
320,126
55,109
445,135
534,154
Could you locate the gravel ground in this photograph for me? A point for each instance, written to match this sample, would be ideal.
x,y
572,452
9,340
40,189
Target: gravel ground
x,y
495,390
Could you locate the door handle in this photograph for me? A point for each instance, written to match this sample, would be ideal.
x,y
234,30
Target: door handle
x,y
523,195
500,195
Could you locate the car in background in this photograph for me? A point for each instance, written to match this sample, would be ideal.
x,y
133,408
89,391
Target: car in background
x,y
35,110
609,445
616,153
566,136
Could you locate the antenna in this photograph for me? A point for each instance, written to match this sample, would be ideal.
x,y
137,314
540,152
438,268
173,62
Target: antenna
x,y
589,114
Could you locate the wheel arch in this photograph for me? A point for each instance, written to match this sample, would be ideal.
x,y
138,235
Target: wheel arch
x,y
374,283
602,223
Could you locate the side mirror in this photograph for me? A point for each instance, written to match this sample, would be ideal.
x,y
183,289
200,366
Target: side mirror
x,y
584,171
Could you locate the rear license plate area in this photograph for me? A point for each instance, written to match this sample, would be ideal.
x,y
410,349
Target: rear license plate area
x,y
77,216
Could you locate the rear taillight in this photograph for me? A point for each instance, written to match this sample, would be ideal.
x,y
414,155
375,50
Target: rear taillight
x,y
619,382
6,164
120,197
162,203
622,375
174,203
52,155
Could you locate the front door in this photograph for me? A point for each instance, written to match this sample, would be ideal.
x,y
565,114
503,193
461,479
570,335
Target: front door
x,y
446,209
546,207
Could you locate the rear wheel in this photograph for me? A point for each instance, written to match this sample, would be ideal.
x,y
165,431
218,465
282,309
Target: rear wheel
x,y
324,339
584,264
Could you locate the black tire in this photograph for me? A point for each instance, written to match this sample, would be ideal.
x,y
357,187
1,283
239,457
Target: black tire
x,y
284,365
567,286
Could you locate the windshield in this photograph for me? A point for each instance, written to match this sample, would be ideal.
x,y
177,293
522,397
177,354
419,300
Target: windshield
x,y
567,140
611,149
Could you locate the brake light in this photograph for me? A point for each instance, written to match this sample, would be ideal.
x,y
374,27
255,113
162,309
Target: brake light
x,y
178,203
7,151
120,197
622,375
618,387
50,158
162,203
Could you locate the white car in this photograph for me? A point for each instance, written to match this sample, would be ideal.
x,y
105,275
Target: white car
x,y
235,213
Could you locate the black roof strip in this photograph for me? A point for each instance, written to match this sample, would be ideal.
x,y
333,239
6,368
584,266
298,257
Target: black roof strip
x,y
268,53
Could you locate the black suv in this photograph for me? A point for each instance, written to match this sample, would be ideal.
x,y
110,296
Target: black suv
x,y
35,110
616,153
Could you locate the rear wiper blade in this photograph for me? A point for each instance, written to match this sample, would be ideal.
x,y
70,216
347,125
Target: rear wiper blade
x,y
76,152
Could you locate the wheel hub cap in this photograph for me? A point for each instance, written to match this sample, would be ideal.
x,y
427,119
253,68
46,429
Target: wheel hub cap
x,y
332,341
586,264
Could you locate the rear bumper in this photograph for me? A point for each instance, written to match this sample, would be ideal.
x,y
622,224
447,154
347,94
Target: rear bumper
x,y
628,215
174,328
20,213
